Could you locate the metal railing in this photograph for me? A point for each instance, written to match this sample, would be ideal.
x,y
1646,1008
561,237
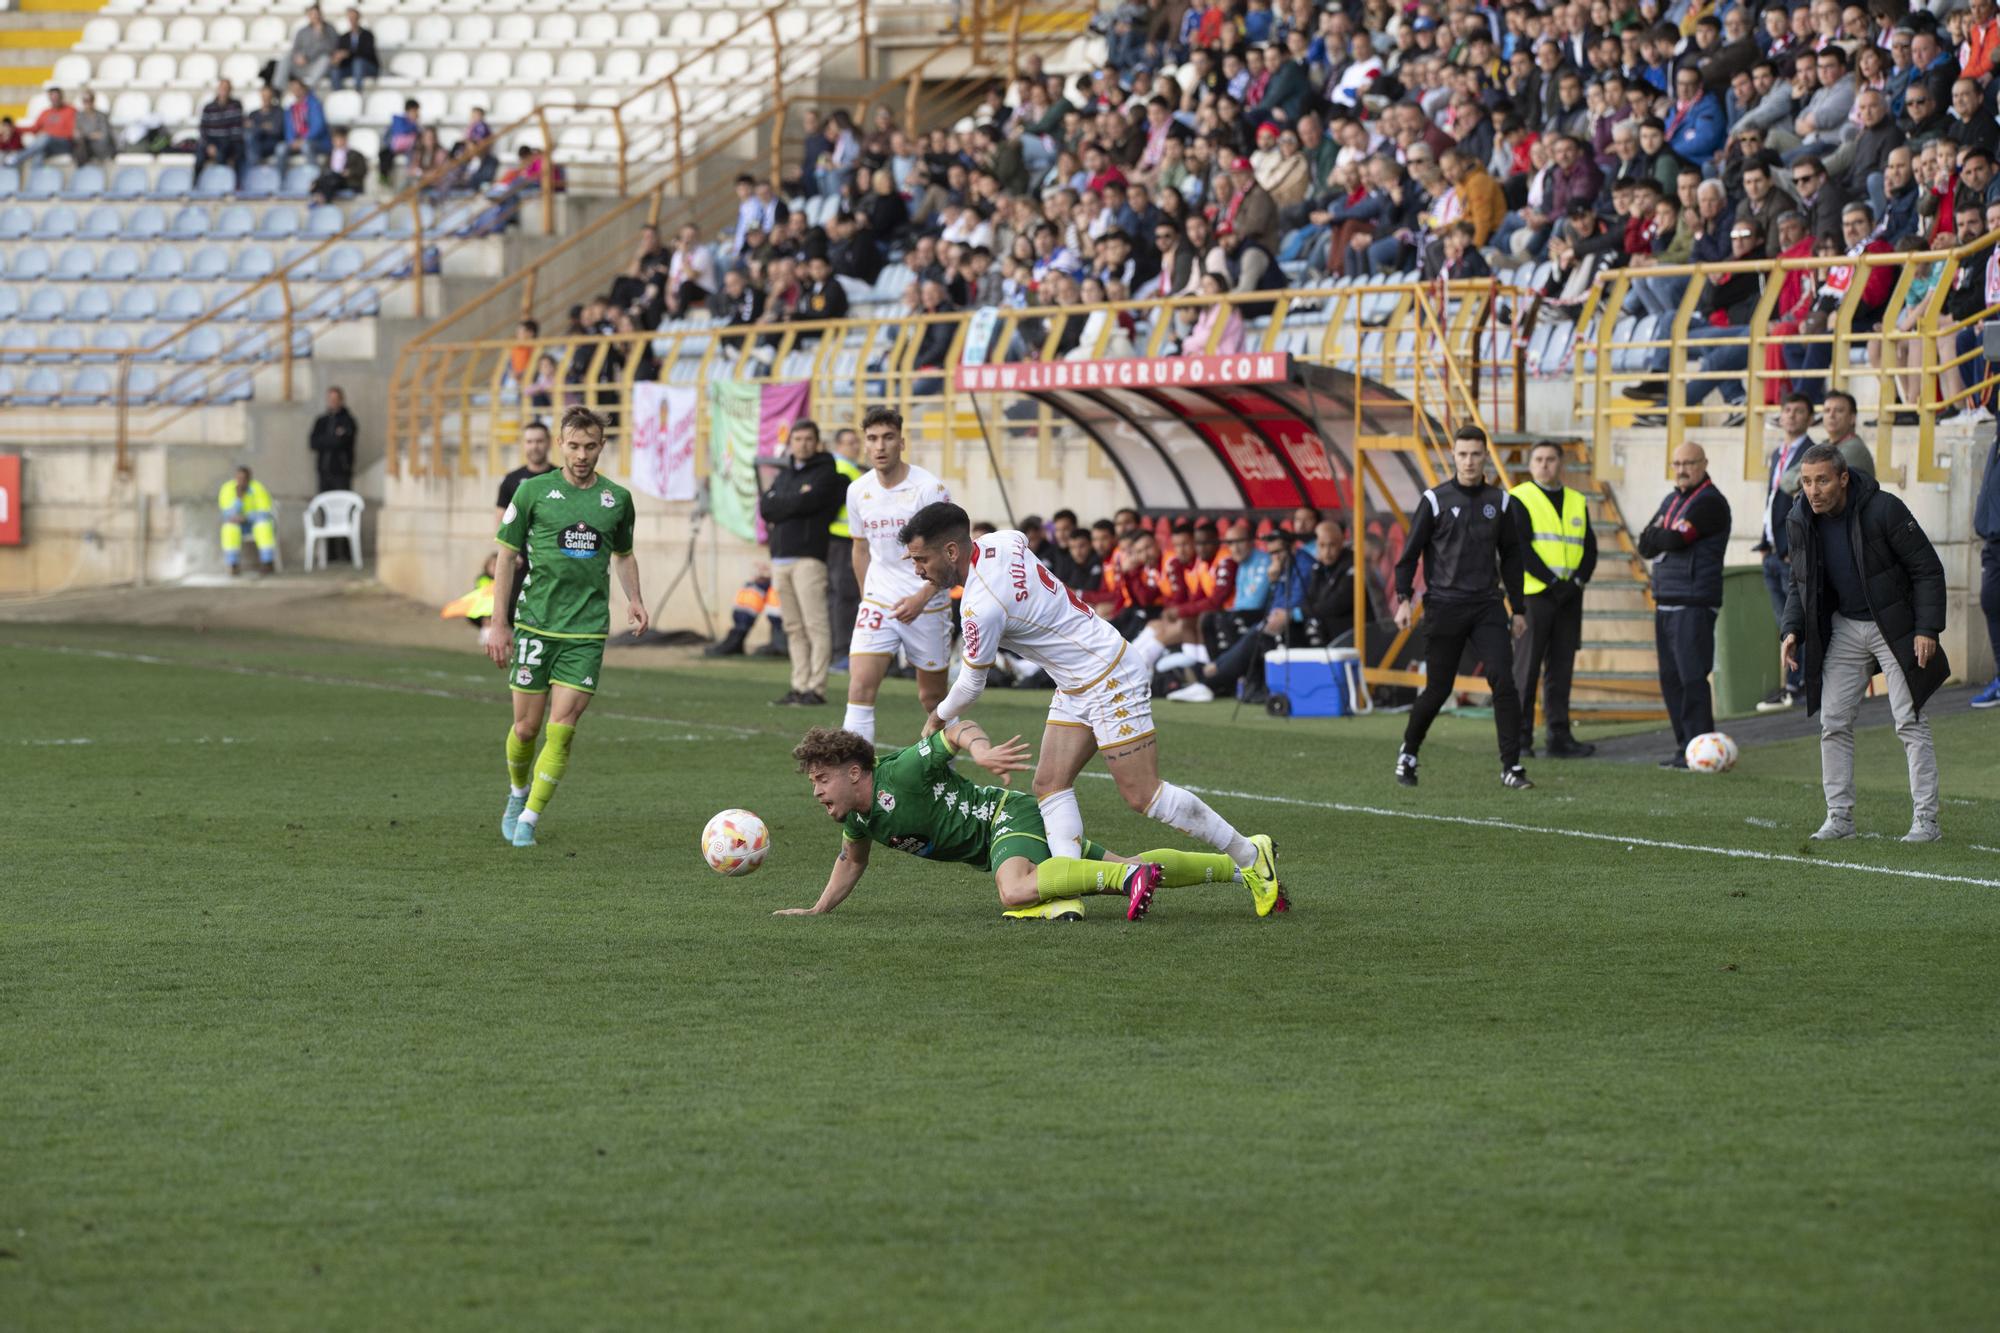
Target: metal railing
x,y
195,384
1909,348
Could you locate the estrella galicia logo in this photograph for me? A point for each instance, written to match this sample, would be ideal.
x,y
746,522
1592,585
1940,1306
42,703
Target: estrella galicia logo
x,y
580,542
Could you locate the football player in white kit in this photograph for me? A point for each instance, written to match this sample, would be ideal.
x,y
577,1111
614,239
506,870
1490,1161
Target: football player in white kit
x,y
1104,697
899,607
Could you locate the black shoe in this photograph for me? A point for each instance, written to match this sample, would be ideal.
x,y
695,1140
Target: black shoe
x,y
1777,701
1528,747
732,646
811,699
1515,777
1733,420
787,699
772,650
1656,390
1678,760
1406,769
1564,746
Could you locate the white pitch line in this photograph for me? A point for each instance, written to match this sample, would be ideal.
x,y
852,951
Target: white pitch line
x,y
1509,826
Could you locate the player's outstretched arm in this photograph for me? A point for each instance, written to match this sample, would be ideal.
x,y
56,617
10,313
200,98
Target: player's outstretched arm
x,y
498,636
627,566
847,871
1003,760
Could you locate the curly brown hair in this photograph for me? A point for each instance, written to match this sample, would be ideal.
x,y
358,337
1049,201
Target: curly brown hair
x,y
826,747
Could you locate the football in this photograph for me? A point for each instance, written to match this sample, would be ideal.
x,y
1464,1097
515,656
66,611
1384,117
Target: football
x,y
1711,752
735,842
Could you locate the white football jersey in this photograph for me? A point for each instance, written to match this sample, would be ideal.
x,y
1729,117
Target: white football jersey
x,y
875,514
1013,602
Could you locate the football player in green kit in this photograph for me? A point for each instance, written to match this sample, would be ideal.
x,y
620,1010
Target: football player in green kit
x,y
574,527
911,799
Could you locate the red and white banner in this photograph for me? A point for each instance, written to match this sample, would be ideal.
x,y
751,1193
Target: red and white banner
x,y
1166,372
10,499
663,422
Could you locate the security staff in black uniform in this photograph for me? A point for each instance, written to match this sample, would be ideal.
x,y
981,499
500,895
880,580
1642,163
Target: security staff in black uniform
x,y
1471,538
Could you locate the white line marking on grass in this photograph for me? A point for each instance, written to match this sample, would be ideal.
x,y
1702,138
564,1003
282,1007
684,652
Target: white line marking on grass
x,y
387,687
1508,826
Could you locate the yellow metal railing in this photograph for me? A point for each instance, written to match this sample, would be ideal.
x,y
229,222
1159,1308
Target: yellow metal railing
x,y
190,385
1884,346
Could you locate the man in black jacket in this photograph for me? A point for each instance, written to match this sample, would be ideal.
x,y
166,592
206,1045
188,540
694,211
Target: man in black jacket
x,y
1867,593
333,436
1686,540
355,57
1986,526
1470,538
799,505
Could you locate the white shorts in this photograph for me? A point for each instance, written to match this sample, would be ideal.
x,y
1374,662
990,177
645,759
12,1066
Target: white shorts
x,y
1117,710
925,641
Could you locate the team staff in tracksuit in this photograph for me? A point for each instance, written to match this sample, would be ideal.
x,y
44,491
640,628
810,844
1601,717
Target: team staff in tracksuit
x,y
1472,540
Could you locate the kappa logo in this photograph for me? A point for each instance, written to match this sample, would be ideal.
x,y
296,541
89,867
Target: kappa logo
x,y
1124,730
555,494
588,681
887,800
607,499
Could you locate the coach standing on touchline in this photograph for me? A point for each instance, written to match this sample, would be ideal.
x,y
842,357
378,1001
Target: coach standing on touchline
x,y
1471,539
1867,591
1686,541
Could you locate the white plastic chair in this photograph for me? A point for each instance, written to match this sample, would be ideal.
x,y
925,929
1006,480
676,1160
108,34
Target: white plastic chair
x,y
333,514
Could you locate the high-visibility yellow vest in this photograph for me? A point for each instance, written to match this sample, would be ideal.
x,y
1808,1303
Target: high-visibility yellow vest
x,y
849,471
1558,537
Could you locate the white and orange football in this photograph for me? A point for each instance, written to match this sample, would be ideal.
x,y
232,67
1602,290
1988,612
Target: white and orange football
x,y
735,842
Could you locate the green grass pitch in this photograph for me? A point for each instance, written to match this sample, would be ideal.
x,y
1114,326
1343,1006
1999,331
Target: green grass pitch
x,y
290,1040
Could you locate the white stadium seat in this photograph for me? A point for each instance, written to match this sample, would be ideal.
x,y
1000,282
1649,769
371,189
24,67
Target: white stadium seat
x,y
474,31
450,69
576,67
557,30
598,30
534,68
515,31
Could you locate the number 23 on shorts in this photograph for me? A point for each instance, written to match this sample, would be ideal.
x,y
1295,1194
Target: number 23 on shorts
x,y
870,618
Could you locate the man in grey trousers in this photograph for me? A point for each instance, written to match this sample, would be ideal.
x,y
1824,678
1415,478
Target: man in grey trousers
x,y
1867,593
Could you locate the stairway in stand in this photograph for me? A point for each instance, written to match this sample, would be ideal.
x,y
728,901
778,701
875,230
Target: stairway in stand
x,y
1617,673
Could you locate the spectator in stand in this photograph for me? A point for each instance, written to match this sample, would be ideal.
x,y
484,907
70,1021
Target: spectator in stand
x,y
757,208
354,57
10,135
479,167
305,123
1695,129
94,141
313,47
1218,329
51,132
400,138
264,131
737,303
221,138
1085,572
345,173
333,438
1286,619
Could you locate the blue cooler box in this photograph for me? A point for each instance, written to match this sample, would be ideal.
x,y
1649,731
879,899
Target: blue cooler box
x,y
1316,680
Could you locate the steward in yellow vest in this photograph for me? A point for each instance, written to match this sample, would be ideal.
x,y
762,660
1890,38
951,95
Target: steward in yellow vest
x,y
1562,555
245,503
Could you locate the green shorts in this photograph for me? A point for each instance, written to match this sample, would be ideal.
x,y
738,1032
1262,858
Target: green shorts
x,y
539,662
1018,831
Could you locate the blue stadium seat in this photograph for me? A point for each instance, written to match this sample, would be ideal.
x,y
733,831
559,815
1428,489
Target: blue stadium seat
x,y
39,388
266,307
256,346
234,223
299,178
31,264
10,182
324,306
174,182
57,224
101,223
215,182
12,339
237,387
190,224
202,344
146,223
341,262
324,220
86,182
300,263
10,303
363,304
302,342
209,264
142,383
188,387
155,343
163,264
136,304
63,344
375,226
15,223
184,304
6,384
43,182
259,182
253,262
128,183
107,340
74,265
87,388
119,264
278,224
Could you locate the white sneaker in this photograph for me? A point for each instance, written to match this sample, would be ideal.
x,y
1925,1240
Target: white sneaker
x,y
1833,831
1196,693
1976,416
1923,830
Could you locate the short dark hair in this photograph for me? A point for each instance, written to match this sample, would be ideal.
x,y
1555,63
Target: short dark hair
x,y
882,416
1069,514
1824,453
1104,525
1832,394
536,424
1470,432
1540,445
803,423
826,747
582,418
1794,397
943,521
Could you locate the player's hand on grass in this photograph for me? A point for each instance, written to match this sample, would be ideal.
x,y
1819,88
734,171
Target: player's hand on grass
x,y
1003,760
796,911
499,645
1790,648
911,607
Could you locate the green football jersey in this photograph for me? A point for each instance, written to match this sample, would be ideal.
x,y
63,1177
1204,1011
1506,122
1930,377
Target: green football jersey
x,y
568,537
924,808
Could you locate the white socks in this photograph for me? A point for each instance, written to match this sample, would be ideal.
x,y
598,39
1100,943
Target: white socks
x,y
1063,823
530,817
861,721
1187,812
520,793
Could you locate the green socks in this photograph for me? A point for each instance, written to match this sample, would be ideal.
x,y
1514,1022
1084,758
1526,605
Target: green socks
x,y
1067,877
520,760
1186,869
549,767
